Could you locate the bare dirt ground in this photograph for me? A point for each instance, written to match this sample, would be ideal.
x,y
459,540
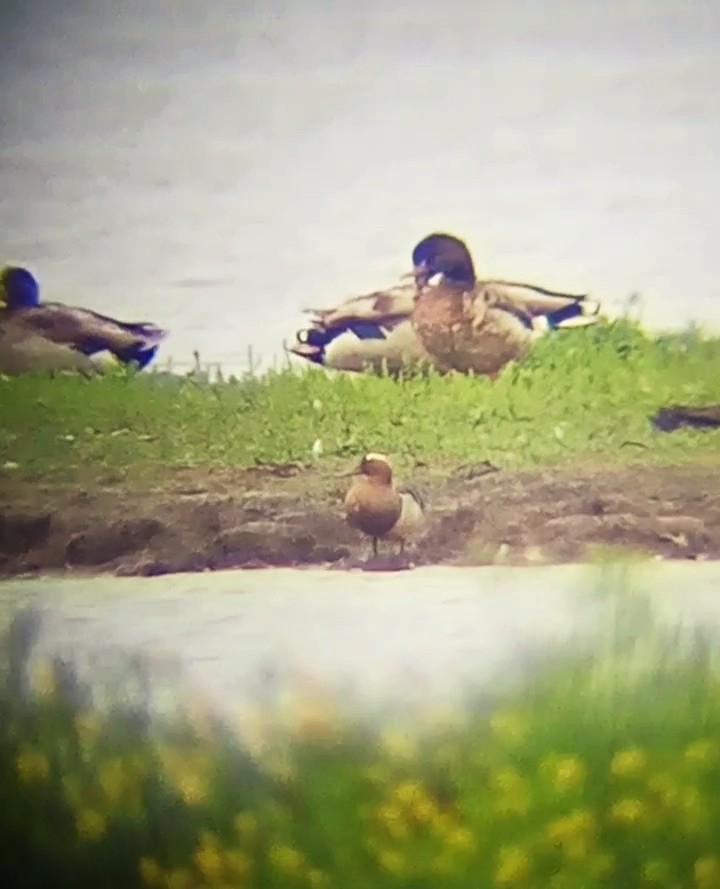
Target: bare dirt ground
x,y
292,516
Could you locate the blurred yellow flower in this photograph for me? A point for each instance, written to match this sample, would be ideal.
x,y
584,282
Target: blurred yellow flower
x,y
398,744
665,786
150,872
515,795
87,727
576,830
392,862
393,820
628,811
628,763
90,825
409,792
442,823
657,872
246,826
112,780
286,860
237,863
509,726
180,878
701,754
209,862
460,839
191,786
514,866
31,765
317,879
568,773
707,872
42,678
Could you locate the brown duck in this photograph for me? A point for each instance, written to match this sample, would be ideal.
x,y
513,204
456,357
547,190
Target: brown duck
x,y
376,507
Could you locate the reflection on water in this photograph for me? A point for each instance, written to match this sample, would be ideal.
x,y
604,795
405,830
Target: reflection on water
x,y
411,636
217,173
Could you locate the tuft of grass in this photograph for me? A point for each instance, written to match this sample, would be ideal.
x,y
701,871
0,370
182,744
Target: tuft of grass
x,y
593,775
582,396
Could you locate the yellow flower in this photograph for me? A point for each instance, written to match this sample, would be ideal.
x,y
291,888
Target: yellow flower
x,y
87,727
238,863
565,772
111,778
392,862
442,823
461,839
515,795
32,765
628,812
209,863
628,763
701,754
191,786
666,787
286,860
657,872
393,820
42,679
180,878
398,744
317,879
707,872
246,826
424,810
150,872
574,833
409,792
514,866
90,825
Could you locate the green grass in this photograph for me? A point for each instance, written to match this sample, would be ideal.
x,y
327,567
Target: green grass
x,y
601,773
582,396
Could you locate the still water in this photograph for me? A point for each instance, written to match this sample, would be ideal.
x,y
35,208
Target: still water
x,y
402,638
215,168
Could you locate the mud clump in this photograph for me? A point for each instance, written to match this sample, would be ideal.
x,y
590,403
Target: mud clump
x,y
209,519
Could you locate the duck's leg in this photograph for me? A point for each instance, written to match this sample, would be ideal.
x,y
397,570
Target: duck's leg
x,y
375,546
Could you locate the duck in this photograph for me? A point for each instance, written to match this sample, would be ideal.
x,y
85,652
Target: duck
x,y
475,326
81,330
22,351
372,333
375,506
420,324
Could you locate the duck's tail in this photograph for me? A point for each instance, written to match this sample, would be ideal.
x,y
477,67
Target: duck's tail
x,y
311,342
580,313
550,309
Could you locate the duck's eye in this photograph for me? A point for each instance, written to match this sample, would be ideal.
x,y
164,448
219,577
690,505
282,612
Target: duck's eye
x,y
302,336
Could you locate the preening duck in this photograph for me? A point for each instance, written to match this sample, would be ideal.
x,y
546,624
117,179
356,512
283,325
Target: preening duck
x,y
83,331
448,320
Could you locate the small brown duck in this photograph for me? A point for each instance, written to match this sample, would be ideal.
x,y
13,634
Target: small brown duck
x,y
376,507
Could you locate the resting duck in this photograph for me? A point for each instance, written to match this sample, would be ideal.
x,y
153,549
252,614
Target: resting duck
x,y
451,323
80,330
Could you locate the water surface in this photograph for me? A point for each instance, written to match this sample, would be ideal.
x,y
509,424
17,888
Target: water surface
x,y
216,170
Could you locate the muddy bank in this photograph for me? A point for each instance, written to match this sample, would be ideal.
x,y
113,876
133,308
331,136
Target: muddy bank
x,y
291,516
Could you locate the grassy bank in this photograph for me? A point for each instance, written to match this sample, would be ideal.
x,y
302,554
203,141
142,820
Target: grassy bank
x,y
599,774
583,396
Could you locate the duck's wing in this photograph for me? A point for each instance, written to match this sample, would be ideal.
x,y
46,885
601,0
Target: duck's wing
x,y
382,307
23,351
558,308
90,332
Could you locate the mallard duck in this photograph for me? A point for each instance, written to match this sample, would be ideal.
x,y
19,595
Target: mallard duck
x,y
372,332
22,351
82,330
426,324
480,326
376,507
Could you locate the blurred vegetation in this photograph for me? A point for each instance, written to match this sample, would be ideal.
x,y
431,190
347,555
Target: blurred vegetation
x,y
582,396
599,772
